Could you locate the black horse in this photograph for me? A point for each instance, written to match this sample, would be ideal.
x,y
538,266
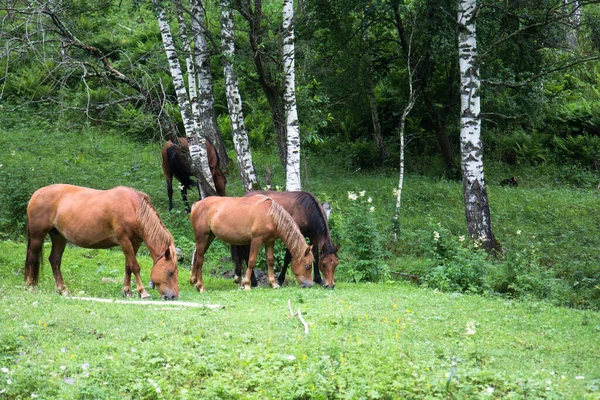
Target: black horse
x,y
307,212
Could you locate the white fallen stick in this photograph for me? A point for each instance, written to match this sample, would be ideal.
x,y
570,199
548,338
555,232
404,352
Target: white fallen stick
x,y
149,302
299,314
303,322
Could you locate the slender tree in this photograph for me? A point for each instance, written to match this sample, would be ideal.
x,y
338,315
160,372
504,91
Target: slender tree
x,y
197,142
206,114
477,209
292,170
234,101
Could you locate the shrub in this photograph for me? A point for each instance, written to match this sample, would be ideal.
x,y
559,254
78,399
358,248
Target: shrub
x,y
362,242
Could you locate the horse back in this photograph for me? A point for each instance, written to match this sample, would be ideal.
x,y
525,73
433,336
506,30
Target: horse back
x,y
235,220
86,217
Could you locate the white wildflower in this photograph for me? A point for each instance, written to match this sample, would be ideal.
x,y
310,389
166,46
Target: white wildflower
x,y
490,390
370,200
352,196
461,238
436,236
470,328
519,232
4,369
362,193
372,209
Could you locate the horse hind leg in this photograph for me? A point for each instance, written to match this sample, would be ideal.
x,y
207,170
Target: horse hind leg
x,y
202,245
58,247
33,259
254,249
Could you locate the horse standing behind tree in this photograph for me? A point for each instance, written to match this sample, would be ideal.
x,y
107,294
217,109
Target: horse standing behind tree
x,y
255,221
100,219
175,165
310,217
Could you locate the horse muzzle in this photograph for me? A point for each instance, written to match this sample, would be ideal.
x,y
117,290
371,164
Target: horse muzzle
x,y
306,284
169,297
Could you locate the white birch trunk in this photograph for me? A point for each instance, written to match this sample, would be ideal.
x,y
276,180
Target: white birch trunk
x,y
196,141
477,209
189,62
234,101
292,170
407,110
205,114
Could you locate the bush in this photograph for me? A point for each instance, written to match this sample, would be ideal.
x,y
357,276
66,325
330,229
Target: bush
x,y
362,243
458,264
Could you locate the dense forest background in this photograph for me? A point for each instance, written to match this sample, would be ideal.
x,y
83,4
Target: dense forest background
x,y
103,62
100,67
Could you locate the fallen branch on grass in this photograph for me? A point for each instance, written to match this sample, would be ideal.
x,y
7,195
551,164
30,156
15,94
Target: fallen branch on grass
x,y
149,302
292,314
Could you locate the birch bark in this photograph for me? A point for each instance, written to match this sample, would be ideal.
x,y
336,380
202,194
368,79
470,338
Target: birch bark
x,y
292,170
196,141
205,114
477,210
234,101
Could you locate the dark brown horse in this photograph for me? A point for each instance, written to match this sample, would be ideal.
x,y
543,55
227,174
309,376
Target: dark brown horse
x,y
174,165
100,219
254,221
310,217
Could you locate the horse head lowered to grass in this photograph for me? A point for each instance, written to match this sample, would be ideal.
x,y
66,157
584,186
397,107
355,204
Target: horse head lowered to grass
x,y
310,217
253,221
175,165
100,219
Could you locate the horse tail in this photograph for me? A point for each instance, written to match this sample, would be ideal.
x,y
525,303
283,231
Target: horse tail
x,y
33,260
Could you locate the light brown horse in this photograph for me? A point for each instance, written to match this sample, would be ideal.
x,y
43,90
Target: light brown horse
x,y
100,219
255,221
310,217
175,165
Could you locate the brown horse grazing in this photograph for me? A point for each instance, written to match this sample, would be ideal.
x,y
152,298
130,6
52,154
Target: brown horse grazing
x,y
99,219
174,165
310,217
248,220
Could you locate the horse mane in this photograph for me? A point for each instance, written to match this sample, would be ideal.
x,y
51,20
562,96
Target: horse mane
x,y
318,219
152,226
287,228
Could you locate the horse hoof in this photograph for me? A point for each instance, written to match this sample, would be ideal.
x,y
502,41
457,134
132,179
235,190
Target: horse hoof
x,y
145,295
275,285
247,287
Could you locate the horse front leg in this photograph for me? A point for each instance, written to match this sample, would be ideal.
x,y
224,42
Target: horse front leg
x,y
270,254
58,247
132,266
170,191
254,249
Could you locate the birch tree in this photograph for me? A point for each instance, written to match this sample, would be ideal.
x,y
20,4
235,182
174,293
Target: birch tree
x,y
197,142
477,210
292,170
205,114
234,101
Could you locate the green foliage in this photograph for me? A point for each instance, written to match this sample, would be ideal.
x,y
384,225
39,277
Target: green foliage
x,y
362,243
458,264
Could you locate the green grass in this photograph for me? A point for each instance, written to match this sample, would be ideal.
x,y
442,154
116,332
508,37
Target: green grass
x,y
387,340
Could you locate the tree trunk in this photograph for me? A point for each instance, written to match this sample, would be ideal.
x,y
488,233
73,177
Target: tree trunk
x,y
375,117
206,115
270,85
234,101
197,142
292,170
477,210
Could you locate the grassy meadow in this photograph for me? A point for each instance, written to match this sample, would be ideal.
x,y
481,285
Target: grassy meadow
x,y
535,337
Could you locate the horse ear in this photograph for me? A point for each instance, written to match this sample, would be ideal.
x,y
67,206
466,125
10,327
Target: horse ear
x,y
168,254
308,251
